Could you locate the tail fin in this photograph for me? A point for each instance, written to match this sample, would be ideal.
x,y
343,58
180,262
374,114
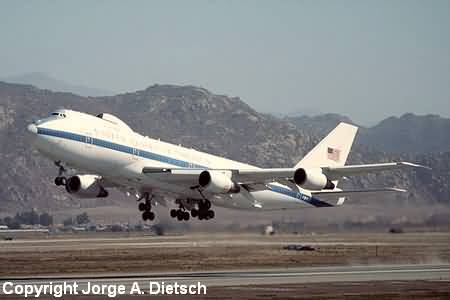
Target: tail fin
x,y
333,150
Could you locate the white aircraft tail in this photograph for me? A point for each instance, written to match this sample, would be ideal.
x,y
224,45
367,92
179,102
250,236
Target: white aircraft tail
x,y
333,150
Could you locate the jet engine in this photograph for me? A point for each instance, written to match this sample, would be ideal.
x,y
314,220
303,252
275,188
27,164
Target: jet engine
x,y
312,179
218,182
85,186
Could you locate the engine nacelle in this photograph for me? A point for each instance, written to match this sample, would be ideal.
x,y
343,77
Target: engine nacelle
x,y
312,179
85,186
217,182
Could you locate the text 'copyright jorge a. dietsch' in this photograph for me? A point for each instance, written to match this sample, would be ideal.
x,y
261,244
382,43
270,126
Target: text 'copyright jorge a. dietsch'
x,y
61,289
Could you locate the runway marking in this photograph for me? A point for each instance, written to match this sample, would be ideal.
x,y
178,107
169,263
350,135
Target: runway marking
x,y
259,277
91,245
228,274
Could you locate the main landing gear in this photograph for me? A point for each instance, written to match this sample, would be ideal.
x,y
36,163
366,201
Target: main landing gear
x,y
146,208
203,212
181,214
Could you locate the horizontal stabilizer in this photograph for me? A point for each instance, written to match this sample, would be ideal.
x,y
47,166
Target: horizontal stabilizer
x,y
335,173
338,197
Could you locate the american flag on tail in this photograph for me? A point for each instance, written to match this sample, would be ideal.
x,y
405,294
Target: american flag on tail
x,y
333,154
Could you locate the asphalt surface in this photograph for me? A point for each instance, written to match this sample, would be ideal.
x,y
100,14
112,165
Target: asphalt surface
x,y
176,242
435,272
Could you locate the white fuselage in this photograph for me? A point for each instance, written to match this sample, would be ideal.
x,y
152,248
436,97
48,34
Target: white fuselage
x,y
108,147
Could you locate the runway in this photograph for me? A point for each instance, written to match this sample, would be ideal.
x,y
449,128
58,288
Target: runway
x,y
431,272
184,242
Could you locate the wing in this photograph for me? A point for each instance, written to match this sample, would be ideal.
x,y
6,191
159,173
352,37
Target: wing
x,y
262,176
190,176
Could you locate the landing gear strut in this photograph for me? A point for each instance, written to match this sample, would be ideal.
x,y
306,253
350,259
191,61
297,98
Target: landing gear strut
x,y
146,208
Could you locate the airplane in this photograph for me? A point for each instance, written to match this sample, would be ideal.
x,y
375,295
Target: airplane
x,y
111,155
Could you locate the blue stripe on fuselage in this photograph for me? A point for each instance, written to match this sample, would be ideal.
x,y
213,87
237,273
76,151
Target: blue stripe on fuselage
x,y
166,159
118,147
291,193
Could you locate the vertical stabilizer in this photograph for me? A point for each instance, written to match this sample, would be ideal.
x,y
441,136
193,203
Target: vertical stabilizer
x,y
333,150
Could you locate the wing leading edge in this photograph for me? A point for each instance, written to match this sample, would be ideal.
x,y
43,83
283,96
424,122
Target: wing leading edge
x,y
262,176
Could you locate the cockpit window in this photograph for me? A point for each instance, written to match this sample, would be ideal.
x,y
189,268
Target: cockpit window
x,y
53,116
58,115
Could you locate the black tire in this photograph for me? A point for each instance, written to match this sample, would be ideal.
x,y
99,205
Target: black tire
x,y
211,214
194,213
173,213
58,181
145,216
148,206
141,207
151,215
180,215
186,216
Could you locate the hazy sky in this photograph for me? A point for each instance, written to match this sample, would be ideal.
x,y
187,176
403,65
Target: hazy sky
x,y
364,59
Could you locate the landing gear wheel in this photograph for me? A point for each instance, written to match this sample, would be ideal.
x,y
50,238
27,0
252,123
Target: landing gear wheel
x,y
180,215
211,214
194,213
173,213
60,180
148,215
186,216
142,207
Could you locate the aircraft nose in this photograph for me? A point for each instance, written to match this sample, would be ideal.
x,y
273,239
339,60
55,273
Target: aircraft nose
x,y
32,128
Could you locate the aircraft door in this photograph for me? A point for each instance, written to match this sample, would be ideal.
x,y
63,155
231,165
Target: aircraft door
x,y
136,154
89,140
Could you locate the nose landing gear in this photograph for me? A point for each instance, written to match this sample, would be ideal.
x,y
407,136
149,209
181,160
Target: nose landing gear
x,y
60,179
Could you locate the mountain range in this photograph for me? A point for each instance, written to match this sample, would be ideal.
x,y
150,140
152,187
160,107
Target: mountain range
x,y
409,133
45,81
221,125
